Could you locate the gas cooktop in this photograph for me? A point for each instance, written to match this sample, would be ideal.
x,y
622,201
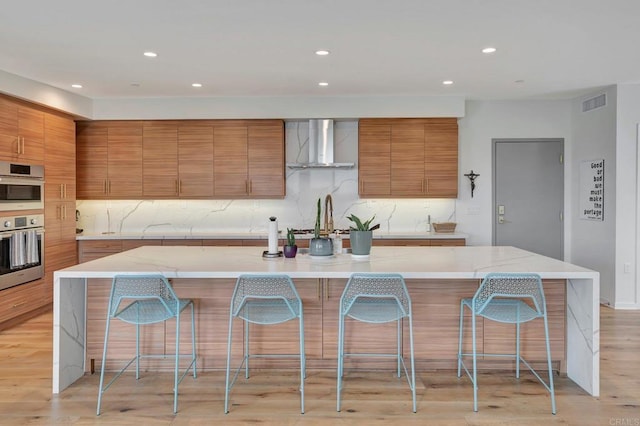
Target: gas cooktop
x,y
311,231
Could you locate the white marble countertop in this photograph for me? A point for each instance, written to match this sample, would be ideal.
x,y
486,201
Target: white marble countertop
x,y
195,235
447,263
412,262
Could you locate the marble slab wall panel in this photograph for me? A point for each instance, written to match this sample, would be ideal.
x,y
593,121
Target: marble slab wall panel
x,y
296,210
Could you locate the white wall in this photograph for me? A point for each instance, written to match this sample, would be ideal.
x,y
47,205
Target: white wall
x,y
627,235
46,95
488,120
290,107
593,242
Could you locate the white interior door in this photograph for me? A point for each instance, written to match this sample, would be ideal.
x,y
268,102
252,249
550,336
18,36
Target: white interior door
x,y
529,195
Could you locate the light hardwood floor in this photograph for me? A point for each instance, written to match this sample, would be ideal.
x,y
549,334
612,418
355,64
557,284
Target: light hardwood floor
x,y
272,398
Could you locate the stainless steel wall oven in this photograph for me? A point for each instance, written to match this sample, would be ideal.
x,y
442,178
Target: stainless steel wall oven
x,y
21,186
21,249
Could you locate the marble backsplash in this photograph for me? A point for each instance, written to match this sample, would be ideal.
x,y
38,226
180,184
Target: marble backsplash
x,y
296,210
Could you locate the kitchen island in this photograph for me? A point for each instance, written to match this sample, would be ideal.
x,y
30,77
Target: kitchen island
x,y
442,274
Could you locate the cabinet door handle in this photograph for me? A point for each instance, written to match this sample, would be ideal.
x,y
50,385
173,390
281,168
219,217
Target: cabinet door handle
x,y
109,187
250,186
64,209
16,305
23,145
179,186
65,190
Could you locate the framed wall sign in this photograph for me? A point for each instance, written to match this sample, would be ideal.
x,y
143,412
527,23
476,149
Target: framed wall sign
x,y
592,190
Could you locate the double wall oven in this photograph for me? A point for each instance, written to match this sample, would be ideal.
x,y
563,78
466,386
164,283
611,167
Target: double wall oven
x,y
21,234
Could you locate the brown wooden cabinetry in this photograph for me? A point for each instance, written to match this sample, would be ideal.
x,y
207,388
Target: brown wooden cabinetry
x,y
181,159
249,160
60,197
160,160
441,158
195,161
20,302
21,132
231,162
435,315
374,160
266,160
55,132
109,160
408,158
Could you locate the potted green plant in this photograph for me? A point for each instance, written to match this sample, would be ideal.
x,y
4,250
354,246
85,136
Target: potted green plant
x,y
290,249
320,246
361,235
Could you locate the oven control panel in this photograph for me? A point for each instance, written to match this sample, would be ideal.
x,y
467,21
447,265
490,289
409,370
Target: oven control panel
x,y
12,223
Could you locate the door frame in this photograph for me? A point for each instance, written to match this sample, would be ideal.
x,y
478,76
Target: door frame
x,y
494,145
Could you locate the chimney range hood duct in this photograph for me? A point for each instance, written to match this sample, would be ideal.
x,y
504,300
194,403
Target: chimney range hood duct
x,y
320,148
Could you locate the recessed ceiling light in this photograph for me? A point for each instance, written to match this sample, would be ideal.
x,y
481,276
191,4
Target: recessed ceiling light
x,y
77,86
489,50
322,52
135,84
323,83
447,82
519,81
150,54
196,85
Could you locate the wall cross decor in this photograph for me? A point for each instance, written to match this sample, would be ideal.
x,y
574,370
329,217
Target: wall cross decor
x,y
472,177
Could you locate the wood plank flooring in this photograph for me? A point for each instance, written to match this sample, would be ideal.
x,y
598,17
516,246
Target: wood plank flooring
x,y
369,398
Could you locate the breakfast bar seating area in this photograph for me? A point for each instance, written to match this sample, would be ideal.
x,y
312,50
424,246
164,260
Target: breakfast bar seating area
x,y
207,275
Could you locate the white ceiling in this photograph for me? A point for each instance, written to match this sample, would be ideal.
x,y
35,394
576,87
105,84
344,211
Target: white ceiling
x,y
559,48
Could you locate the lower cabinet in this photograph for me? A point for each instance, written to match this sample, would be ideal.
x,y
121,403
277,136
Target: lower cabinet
x,y
19,301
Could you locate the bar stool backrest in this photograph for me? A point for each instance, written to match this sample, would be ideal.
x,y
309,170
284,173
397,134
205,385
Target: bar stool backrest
x,y
140,287
510,285
369,287
251,288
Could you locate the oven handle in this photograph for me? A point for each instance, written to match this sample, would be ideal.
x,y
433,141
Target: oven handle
x,y
9,234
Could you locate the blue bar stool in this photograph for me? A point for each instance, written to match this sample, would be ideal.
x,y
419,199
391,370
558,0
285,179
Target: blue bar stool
x,y
264,299
147,299
376,298
503,298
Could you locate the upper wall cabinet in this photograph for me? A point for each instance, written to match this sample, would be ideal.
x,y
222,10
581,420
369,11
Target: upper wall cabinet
x,y
109,160
249,159
408,158
195,161
21,132
160,160
181,159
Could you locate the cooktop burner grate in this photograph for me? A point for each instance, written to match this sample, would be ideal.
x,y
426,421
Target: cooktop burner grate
x,y
311,231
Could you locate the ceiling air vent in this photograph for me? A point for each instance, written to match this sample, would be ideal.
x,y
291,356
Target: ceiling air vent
x,y
593,103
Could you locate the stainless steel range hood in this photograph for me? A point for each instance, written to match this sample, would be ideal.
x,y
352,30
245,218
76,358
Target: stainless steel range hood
x,y
320,148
